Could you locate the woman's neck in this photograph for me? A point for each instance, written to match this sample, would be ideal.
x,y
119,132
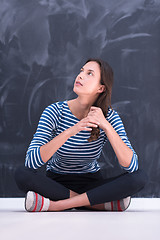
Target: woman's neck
x,y
80,107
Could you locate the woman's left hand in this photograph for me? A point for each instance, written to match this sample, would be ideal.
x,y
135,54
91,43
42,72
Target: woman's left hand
x,y
98,115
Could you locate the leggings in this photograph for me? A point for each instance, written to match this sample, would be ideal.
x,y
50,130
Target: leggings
x,y
99,190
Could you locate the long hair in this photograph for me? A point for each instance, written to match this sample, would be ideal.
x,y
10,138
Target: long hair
x,y
104,99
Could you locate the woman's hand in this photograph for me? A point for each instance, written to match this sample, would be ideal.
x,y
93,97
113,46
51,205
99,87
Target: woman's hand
x,y
97,115
95,118
85,124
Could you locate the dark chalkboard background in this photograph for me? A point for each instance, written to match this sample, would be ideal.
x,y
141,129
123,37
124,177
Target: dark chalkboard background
x,y
43,44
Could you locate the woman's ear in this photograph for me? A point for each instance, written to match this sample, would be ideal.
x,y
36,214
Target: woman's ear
x,y
101,89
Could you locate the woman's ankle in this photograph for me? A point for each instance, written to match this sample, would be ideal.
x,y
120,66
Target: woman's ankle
x,y
73,194
96,207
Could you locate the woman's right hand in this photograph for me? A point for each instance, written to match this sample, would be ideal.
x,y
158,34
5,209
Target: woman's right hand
x,y
85,124
47,150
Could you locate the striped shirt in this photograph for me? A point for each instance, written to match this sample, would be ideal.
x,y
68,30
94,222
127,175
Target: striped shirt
x,y
76,155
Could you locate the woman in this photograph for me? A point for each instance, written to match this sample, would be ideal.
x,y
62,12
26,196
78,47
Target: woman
x,y
69,138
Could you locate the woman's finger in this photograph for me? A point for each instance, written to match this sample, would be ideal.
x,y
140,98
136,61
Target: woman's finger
x,y
94,108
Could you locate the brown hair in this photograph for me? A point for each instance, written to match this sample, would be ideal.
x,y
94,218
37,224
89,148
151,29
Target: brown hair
x,y
104,99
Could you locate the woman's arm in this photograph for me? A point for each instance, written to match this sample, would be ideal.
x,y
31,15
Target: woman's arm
x,y
44,144
122,151
47,150
51,147
116,134
44,133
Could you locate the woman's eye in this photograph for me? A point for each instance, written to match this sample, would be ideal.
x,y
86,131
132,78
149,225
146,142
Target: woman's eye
x,y
90,73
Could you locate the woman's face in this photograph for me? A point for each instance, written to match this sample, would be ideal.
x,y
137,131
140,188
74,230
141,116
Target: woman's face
x,y
88,80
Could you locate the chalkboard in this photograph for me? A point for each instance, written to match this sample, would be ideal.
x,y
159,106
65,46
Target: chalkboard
x,y
44,43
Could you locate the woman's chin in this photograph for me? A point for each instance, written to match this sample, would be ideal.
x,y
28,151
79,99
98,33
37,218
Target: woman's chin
x,y
75,90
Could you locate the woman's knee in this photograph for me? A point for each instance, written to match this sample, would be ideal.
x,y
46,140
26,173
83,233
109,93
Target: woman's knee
x,y
138,179
22,177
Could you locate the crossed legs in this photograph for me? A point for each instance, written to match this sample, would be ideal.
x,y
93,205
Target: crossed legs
x,y
61,198
75,200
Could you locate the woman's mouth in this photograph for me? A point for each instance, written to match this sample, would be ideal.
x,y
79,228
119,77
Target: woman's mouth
x,y
77,83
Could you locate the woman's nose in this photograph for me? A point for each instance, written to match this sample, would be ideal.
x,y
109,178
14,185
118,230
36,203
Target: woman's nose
x,y
81,75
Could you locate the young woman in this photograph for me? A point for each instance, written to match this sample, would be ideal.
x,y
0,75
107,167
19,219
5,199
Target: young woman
x,y
69,138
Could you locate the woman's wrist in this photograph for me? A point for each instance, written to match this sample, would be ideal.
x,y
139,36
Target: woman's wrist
x,y
105,126
68,132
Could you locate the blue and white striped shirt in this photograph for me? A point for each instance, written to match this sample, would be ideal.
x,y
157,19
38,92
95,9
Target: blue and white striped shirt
x,y
76,155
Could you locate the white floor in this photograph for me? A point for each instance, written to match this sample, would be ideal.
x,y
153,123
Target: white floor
x,y
140,221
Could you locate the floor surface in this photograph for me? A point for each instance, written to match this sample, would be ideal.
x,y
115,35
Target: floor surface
x,y
140,221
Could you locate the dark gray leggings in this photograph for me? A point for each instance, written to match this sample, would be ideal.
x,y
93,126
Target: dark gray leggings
x,y
99,190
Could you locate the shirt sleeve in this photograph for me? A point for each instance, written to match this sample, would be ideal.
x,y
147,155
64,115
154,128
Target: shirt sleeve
x,y
44,133
116,122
